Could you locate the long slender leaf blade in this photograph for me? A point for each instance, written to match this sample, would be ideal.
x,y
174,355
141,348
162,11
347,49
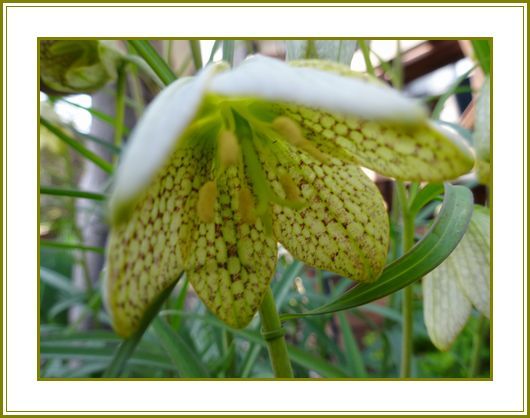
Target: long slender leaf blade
x,y
424,196
481,47
155,61
83,194
440,241
354,357
80,148
181,354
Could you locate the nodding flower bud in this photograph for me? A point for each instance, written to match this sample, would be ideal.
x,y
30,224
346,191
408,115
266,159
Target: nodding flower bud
x,y
292,132
228,149
77,66
246,206
206,202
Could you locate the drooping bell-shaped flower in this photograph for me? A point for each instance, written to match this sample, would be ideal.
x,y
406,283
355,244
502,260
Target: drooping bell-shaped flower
x,y
226,164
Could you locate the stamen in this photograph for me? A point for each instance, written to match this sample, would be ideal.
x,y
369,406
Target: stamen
x,y
289,187
292,132
246,206
228,149
206,202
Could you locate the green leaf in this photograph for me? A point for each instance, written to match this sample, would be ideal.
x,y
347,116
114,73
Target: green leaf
x,y
155,61
57,280
181,354
71,352
95,113
126,349
452,90
228,51
216,45
332,50
57,191
424,196
482,54
354,357
307,360
70,246
89,155
440,241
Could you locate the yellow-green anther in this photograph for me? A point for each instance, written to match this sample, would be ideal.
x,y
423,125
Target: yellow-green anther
x,y
206,202
291,131
228,149
289,187
247,210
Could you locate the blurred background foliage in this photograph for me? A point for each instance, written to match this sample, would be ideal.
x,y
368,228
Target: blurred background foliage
x,y
186,341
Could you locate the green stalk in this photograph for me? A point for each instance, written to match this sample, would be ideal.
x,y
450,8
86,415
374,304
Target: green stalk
x,y
408,242
119,114
272,331
474,366
195,47
59,191
366,55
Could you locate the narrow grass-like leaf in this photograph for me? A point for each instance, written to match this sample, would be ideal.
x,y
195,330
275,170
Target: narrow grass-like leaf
x,y
424,196
155,61
354,357
297,355
89,155
216,45
127,347
108,145
482,53
57,281
71,352
228,51
440,241
441,102
98,114
282,286
181,354
70,246
57,191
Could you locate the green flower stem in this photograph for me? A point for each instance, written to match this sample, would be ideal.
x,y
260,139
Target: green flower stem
x,y
365,49
272,331
408,242
119,113
474,366
195,47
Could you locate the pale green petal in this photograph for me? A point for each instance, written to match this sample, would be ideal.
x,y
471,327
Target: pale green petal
x,y
143,255
461,280
472,258
277,82
343,225
155,138
230,262
406,151
445,307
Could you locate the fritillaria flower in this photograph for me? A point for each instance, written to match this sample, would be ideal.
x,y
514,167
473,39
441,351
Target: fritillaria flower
x,y
226,164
